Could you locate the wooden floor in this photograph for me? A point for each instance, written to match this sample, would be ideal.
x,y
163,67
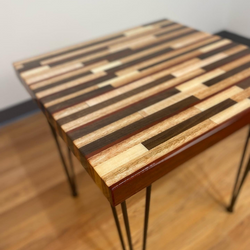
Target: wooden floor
x,y
187,207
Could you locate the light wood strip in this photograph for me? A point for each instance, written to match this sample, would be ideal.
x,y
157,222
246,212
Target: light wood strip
x,y
215,45
69,84
138,30
200,79
127,44
230,112
70,110
241,95
107,66
223,84
75,53
201,64
236,63
66,75
190,39
35,71
235,49
119,91
123,158
53,72
212,101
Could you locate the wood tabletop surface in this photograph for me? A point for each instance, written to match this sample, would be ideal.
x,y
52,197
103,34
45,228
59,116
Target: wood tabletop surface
x,y
134,105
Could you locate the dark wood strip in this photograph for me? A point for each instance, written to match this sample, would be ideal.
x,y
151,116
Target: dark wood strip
x,y
155,22
218,50
116,99
72,58
136,127
29,65
79,99
173,57
118,55
139,60
227,75
244,84
168,32
227,60
170,133
62,81
167,25
36,63
76,88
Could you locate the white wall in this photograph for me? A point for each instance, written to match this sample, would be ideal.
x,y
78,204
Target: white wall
x,y
29,27
239,18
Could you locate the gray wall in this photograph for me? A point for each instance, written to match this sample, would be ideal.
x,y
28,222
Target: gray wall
x,y
33,27
239,17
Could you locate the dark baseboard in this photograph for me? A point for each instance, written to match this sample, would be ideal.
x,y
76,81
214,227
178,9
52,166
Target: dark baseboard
x,y
18,111
234,37
29,107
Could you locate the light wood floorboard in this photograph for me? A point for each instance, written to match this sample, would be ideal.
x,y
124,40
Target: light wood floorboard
x,y
187,206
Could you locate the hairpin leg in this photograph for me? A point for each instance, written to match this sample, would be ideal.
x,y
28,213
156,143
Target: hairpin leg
x,y
118,227
146,217
238,183
71,178
126,222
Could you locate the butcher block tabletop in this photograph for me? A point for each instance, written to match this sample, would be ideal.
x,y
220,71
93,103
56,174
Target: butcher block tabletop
x,y
136,104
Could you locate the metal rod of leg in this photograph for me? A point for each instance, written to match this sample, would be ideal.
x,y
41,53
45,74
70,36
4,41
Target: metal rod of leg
x,y
236,184
73,180
241,162
63,160
118,227
235,196
146,217
126,222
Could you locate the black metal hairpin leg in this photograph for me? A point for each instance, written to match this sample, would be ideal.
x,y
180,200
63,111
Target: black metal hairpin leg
x,y
70,177
126,221
146,217
238,183
118,227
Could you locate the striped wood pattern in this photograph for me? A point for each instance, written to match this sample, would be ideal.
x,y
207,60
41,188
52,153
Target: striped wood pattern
x,y
126,103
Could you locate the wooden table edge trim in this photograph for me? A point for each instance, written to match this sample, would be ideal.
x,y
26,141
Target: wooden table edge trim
x,y
150,173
